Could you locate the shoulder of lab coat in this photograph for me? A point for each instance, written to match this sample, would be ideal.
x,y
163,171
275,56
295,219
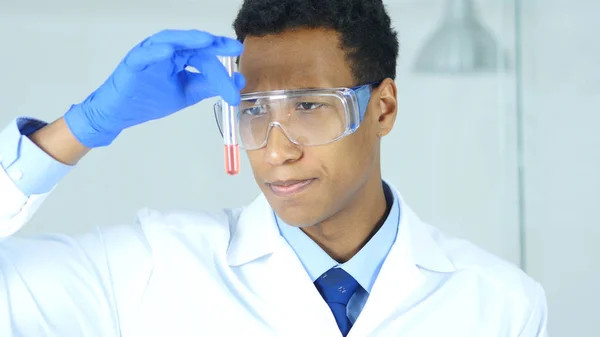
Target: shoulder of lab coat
x,y
527,296
433,251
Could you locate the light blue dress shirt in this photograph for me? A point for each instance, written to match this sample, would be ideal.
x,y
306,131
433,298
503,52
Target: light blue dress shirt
x,y
31,169
35,172
364,266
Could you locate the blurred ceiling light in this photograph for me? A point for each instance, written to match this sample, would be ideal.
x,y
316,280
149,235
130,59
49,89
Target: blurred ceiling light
x,y
461,44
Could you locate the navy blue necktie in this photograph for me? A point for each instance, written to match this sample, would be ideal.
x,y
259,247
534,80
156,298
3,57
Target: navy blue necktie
x,y
337,287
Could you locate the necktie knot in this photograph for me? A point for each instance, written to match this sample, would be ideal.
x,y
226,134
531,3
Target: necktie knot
x,y
336,286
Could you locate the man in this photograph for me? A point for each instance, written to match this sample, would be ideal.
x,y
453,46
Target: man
x,y
328,249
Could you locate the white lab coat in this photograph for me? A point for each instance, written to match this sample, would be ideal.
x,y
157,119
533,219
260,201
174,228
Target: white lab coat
x,y
229,273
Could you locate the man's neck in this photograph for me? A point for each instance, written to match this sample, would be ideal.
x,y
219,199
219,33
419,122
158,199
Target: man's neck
x,y
344,234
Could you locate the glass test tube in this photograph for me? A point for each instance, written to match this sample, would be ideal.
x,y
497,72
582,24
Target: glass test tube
x,y
232,149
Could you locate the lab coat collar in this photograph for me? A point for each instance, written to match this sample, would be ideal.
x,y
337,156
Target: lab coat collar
x,y
422,249
256,235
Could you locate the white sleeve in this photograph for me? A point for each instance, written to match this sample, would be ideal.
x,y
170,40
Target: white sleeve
x,y
50,286
537,324
90,285
16,209
55,285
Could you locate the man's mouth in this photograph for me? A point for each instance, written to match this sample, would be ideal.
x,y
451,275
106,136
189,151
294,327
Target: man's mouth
x,y
289,187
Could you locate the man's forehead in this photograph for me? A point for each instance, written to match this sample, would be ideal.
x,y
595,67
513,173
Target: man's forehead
x,y
294,60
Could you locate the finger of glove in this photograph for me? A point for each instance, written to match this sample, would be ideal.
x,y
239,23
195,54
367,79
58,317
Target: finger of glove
x,y
151,51
224,46
200,88
239,80
221,47
195,39
139,58
214,79
181,39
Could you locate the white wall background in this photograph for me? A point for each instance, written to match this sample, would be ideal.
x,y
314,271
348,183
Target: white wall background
x,y
453,152
561,104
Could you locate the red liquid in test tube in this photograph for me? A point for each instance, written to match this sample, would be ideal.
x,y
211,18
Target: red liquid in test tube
x,y
229,127
232,159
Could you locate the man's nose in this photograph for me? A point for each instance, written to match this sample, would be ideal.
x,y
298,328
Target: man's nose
x,y
280,149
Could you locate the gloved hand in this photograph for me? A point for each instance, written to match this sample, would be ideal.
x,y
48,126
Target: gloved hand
x,y
151,82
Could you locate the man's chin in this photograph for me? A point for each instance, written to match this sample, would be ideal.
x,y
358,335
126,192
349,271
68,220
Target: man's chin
x,y
301,211
297,216
294,220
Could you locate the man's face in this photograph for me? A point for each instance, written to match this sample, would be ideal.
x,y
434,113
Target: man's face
x,y
306,185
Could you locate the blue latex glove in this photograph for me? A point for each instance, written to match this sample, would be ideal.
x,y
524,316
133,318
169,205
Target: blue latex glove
x,y
151,82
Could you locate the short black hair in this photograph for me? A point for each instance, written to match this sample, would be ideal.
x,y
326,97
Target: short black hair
x,y
367,37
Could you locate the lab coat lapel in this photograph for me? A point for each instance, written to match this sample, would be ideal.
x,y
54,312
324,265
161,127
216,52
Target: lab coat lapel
x,y
294,292
253,235
274,273
400,275
397,279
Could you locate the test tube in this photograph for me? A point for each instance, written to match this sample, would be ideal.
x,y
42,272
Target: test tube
x,y
232,149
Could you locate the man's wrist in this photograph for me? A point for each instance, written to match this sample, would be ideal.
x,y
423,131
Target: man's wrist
x,y
58,141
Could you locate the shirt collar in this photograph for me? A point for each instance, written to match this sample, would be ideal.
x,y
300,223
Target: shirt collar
x,y
364,266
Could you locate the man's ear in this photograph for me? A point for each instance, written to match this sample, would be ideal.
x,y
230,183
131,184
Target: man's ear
x,y
386,93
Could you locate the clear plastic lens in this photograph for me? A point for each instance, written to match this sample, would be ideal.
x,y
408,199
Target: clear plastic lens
x,y
307,118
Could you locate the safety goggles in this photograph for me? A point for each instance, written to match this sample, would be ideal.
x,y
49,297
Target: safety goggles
x,y
307,117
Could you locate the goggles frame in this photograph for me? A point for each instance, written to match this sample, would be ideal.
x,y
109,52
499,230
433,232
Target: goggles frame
x,y
355,101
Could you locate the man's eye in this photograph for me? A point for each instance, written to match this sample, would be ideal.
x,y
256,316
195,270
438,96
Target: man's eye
x,y
255,110
308,106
